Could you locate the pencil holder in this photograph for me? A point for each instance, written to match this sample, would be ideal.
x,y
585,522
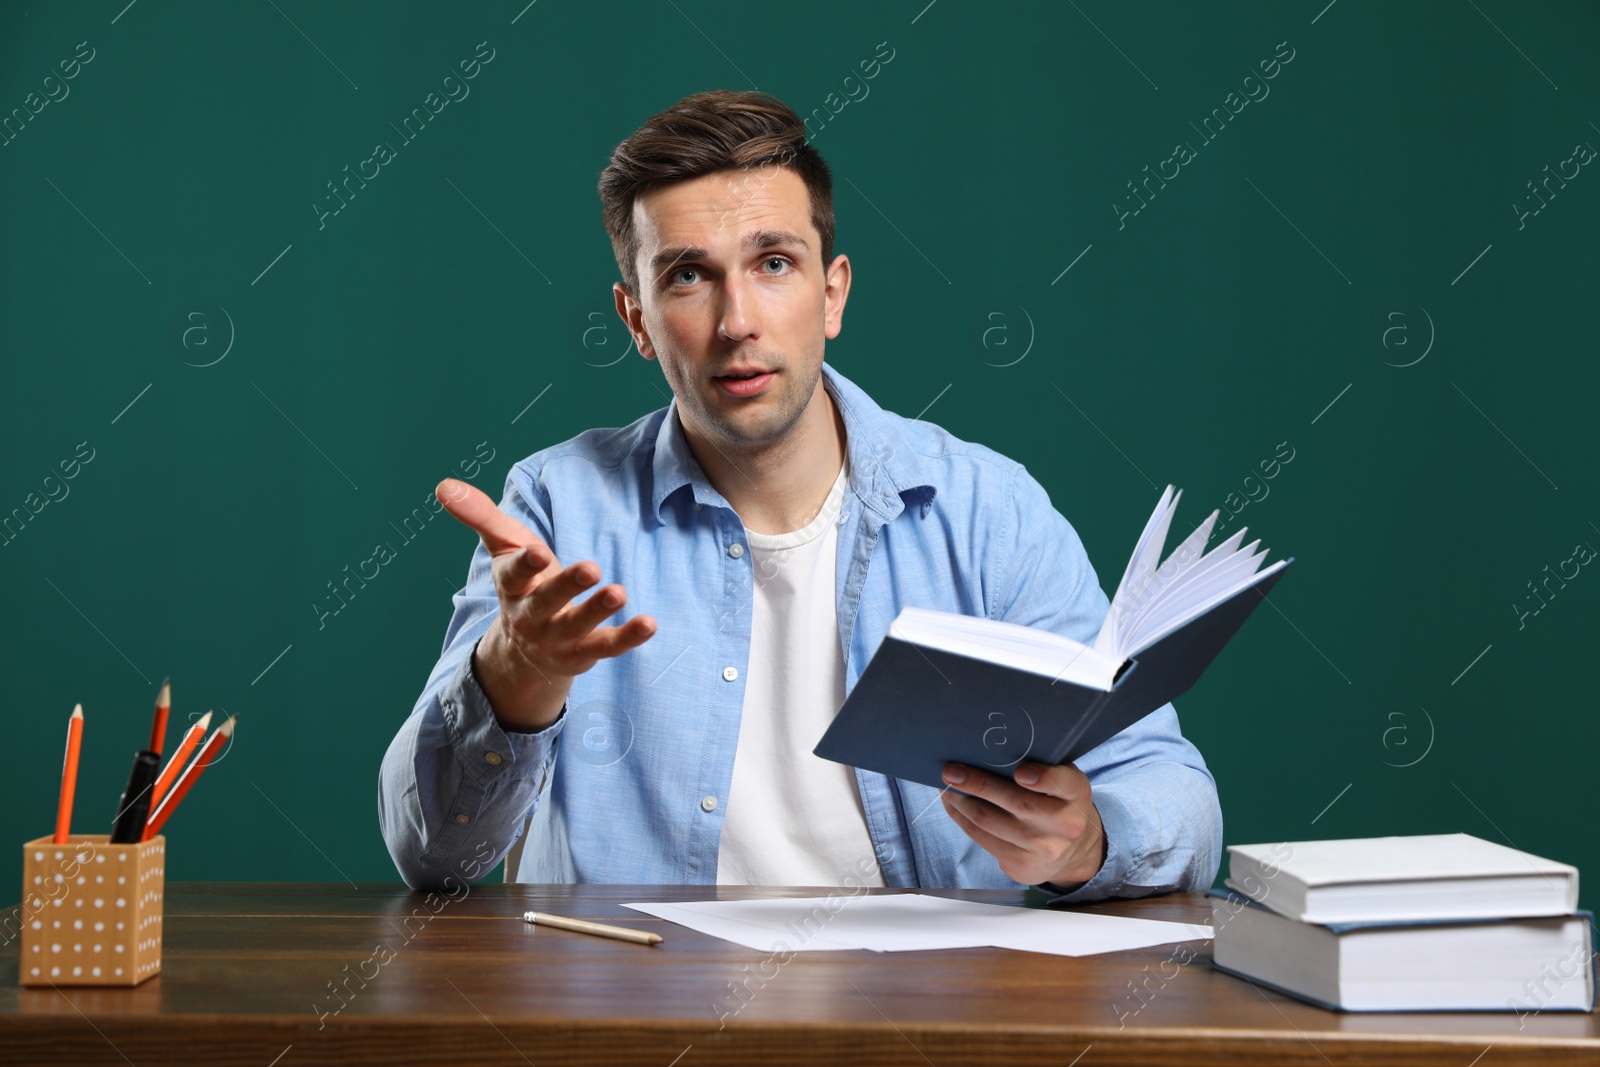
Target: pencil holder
x,y
91,911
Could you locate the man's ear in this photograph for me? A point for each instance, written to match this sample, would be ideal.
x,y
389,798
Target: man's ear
x,y
835,293
632,314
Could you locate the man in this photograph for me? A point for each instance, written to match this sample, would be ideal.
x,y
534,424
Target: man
x,y
772,526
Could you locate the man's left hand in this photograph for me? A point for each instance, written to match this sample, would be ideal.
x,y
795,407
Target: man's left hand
x,y
1042,825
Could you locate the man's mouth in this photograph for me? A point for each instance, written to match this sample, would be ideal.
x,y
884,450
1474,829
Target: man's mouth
x,y
745,381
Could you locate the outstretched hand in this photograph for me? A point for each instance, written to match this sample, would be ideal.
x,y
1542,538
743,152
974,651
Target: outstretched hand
x,y
538,629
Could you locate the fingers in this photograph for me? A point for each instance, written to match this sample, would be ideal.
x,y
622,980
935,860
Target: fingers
x,y
996,823
515,572
566,631
606,643
1056,804
557,590
1041,827
526,570
577,620
518,553
1002,792
1000,848
1029,862
615,640
1066,782
501,534
548,610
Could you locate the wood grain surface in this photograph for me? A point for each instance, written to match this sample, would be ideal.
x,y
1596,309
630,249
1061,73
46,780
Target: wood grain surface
x,y
294,975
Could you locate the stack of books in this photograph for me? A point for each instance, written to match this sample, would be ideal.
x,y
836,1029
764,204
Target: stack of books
x,y
1440,922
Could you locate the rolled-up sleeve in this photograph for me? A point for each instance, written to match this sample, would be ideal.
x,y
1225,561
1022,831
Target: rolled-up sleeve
x,y
1156,798
455,787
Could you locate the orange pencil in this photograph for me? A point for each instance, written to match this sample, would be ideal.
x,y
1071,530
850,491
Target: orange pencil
x,y
169,773
214,744
158,728
69,775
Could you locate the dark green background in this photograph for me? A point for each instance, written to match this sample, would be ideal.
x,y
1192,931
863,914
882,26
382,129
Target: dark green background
x,y
1183,347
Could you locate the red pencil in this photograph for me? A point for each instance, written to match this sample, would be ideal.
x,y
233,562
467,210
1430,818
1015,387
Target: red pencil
x,y
214,745
158,728
69,775
191,738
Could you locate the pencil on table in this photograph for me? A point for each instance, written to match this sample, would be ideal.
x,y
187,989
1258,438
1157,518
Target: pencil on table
x,y
169,803
583,926
158,726
69,775
169,773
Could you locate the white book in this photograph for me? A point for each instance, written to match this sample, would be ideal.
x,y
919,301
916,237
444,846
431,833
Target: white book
x,y
1521,965
1391,879
1151,602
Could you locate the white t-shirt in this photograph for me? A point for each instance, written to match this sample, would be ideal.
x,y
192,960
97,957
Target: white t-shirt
x,y
794,818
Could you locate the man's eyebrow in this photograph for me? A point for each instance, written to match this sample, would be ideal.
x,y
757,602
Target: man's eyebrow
x,y
760,239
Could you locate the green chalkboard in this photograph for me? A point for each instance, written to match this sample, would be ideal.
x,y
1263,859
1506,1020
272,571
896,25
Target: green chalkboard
x,y
1328,266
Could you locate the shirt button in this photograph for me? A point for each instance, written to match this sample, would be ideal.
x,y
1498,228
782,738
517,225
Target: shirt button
x,y
462,818
492,758
698,505
736,550
708,803
730,674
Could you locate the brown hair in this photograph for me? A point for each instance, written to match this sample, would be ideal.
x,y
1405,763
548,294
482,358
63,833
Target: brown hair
x,y
703,134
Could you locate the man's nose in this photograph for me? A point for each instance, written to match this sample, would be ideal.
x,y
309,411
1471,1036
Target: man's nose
x,y
737,320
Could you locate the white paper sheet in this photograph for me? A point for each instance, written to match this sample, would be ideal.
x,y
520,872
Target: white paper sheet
x,y
902,922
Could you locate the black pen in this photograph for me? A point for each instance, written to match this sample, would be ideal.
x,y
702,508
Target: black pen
x,y
127,828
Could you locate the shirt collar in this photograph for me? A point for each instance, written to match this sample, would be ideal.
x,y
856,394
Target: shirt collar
x,y
883,462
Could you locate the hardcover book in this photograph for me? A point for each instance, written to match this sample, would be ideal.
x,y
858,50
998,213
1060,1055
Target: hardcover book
x,y
945,687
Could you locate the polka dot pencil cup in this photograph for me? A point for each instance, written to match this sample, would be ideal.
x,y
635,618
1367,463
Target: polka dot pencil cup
x,y
91,911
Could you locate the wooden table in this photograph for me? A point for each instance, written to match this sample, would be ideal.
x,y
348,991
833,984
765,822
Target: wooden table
x,y
249,972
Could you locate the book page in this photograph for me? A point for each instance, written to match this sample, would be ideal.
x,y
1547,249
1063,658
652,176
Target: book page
x,y
1219,568
1153,602
1167,624
1149,597
1009,644
1134,587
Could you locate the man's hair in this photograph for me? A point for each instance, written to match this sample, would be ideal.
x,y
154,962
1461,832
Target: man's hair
x,y
704,134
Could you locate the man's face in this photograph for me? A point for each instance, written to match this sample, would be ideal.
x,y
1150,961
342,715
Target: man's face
x,y
731,278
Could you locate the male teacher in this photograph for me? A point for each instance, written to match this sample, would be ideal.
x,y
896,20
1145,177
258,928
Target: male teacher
x,y
755,538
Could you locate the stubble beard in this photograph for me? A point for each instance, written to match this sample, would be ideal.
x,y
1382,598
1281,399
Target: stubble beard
x,y
735,433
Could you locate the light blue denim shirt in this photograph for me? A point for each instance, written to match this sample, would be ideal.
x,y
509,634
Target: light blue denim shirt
x,y
629,783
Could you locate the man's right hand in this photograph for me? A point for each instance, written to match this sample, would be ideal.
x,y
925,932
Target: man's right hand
x,y
539,641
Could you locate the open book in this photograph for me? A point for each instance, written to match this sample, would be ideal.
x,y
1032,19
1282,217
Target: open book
x,y
998,689
1151,602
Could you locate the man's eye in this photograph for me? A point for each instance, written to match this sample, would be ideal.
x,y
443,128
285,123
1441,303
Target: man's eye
x,y
684,270
777,259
